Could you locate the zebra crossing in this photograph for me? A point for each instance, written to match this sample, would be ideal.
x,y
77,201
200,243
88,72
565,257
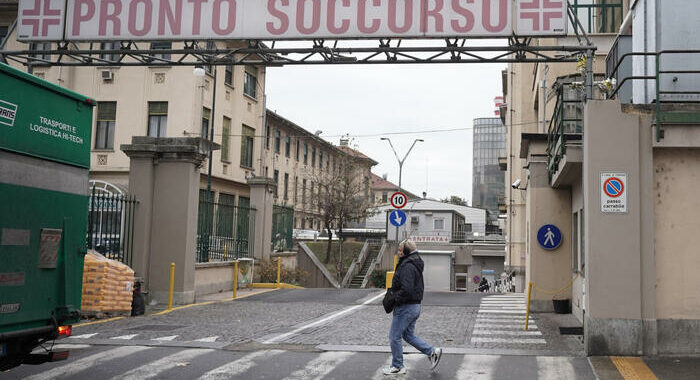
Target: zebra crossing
x,y
501,320
168,338
153,362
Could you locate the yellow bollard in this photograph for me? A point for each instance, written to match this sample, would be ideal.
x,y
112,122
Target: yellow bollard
x,y
172,286
396,259
279,269
235,278
389,279
527,310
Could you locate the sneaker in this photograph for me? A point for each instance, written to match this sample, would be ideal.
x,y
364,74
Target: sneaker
x,y
435,357
394,371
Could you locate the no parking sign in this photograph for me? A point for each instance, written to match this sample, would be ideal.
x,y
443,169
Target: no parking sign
x,y
613,193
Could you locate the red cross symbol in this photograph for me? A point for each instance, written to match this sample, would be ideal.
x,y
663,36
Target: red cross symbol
x,y
548,11
42,15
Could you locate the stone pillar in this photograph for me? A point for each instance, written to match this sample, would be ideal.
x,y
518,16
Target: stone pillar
x,y
164,176
261,193
547,269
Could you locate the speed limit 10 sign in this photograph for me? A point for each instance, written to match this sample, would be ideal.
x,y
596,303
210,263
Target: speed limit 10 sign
x,y
398,200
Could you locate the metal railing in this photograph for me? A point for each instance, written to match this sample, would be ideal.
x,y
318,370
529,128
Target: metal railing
x,y
604,16
671,96
111,225
282,228
224,231
566,119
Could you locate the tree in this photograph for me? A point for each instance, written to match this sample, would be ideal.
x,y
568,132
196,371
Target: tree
x,y
343,197
455,200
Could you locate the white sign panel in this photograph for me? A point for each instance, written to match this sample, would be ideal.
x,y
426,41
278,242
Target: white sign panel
x,y
96,20
613,193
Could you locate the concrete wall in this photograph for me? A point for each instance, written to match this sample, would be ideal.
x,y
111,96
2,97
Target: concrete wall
x,y
578,293
213,278
319,277
549,270
676,208
618,247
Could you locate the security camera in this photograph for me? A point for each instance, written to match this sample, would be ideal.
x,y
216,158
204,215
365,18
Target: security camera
x,y
516,184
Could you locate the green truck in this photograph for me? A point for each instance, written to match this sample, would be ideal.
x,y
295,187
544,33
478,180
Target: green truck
x,y
44,162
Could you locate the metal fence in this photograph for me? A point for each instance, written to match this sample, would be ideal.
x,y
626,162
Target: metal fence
x,y
224,231
282,228
111,225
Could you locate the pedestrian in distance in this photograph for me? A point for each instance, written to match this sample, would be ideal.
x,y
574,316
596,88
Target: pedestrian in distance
x,y
407,286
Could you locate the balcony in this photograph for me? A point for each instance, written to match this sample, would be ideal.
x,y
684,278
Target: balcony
x,y
564,145
599,16
503,163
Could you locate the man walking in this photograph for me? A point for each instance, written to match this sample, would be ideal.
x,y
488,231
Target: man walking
x,y
407,286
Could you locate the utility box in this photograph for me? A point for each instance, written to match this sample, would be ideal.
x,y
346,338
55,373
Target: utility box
x,y
44,162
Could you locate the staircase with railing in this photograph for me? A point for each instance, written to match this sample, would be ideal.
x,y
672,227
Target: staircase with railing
x,y
359,280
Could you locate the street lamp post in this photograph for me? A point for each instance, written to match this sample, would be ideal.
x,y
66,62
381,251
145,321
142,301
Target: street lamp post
x,y
401,161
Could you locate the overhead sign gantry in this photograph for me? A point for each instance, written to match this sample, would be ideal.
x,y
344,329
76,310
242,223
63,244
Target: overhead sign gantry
x,y
288,32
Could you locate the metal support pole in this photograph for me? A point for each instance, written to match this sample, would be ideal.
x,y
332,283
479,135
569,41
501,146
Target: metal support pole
x,y
527,310
172,286
279,269
589,74
235,278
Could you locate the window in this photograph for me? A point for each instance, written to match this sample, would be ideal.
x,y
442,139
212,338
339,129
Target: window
x,y
439,224
157,118
276,177
247,146
320,160
313,156
286,186
575,242
582,247
161,45
303,193
206,115
267,137
297,150
385,197
109,46
106,117
296,189
414,221
3,33
306,153
287,146
37,48
226,139
228,75
278,137
250,81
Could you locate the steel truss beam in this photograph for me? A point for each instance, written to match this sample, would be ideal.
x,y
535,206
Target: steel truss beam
x,y
316,52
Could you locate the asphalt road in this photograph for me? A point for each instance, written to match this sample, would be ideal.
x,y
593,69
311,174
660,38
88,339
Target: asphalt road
x,y
321,333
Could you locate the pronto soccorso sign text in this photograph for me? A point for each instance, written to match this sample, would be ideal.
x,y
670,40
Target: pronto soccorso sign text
x,y
90,20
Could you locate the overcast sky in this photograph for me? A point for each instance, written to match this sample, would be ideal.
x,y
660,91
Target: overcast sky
x,y
376,99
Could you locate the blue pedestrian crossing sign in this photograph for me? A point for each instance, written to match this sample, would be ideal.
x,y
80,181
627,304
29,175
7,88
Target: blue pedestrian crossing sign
x,y
549,237
397,218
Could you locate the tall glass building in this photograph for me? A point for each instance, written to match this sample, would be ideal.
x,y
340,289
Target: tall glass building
x,y
488,182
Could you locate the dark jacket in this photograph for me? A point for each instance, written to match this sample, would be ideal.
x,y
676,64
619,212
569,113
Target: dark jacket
x,y
408,280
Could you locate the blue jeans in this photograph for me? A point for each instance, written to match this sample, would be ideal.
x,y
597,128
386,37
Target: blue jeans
x,y
402,326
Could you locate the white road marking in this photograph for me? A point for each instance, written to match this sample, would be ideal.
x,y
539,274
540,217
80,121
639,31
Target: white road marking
x,y
479,367
84,336
125,337
321,366
410,361
86,362
210,339
502,311
322,320
62,347
237,367
504,326
508,340
551,368
154,369
166,338
505,332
